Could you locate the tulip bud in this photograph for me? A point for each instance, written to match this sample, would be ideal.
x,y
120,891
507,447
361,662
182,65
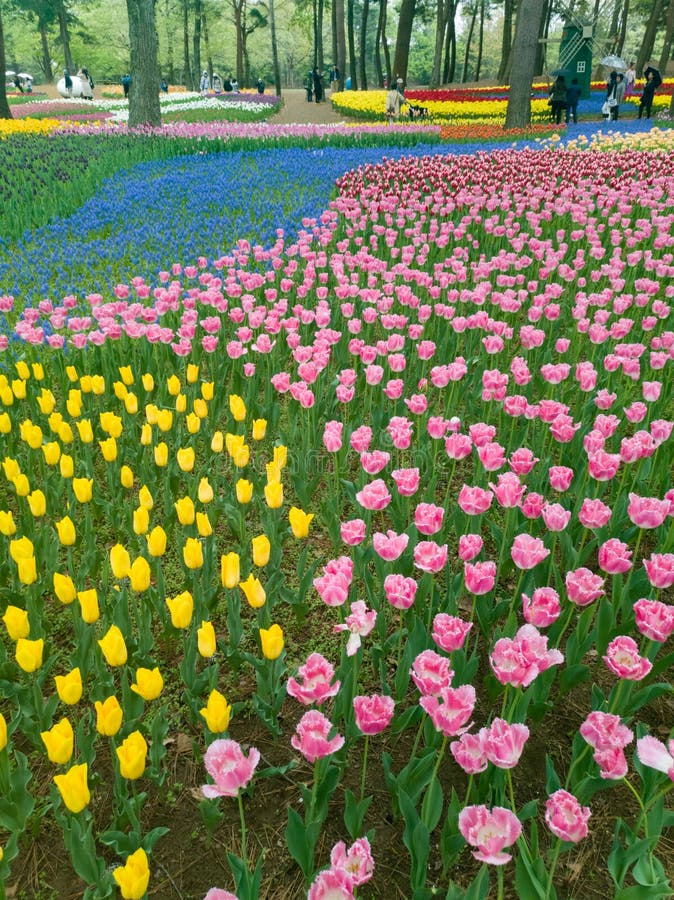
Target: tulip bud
x,y
273,494
237,407
185,457
271,640
66,531
217,712
59,741
299,522
193,554
148,382
69,687
141,520
181,609
108,716
139,575
134,877
261,550
230,570
126,477
89,605
206,642
184,508
64,588
149,683
254,592
156,541
120,561
244,490
28,654
217,442
82,488
132,755
73,788
205,491
161,455
16,622
259,429
37,503
113,647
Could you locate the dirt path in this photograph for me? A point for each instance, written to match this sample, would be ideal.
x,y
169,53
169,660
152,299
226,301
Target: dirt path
x,y
296,110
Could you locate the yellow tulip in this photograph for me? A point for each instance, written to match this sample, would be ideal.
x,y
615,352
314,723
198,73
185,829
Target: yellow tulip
x,y
273,494
71,373
193,554
108,716
83,489
173,385
69,687
19,389
5,423
66,434
120,561
27,570
21,485
192,373
280,456
97,385
3,732
207,390
32,435
139,575
161,454
273,472
237,407
145,498
38,371
85,384
37,503
28,654
22,370
230,570
271,640
217,442
46,401
244,490
126,374
131,404
16,622
181,403
64,588
21,548
66,466
233,443
146,435
181,609
7,525
206,640
73,788
241,456
259,429
205,491
254,592
108,449
113,647
59,741
134,877
151,413
86,432
204,526
89,605
148,382
141,520
193,423
149,683
6,396
261,550
66,531
126,477
11,468
217,712
184,508
156,541
164,419
120,390
132,755
74,403
185,457
299,521
111,424
200,408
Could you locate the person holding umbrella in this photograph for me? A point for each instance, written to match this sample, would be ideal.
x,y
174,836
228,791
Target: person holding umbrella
x,y
653,80
558,99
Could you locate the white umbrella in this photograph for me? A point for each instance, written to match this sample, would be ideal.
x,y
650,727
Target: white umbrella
x,y
25,75
613,62
9,74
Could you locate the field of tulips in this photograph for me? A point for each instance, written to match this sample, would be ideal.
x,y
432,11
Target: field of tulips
x,y
338,548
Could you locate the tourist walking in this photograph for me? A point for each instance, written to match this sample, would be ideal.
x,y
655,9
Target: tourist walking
x,y
572,98
318,85
557,99
646,102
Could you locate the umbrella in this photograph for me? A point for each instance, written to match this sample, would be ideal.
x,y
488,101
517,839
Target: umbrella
x,y
9,74
613,62
657,77
25,75
563,72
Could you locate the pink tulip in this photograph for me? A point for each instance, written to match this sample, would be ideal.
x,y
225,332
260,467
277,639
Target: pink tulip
x,y
583,586
594,513
519,660
353,531
312,736
428,518
492,456
479,577
647,512
532,505
614,557
431,673
374,496
543,608
430,557
470,546
623,659
449,632
356,861
458,446
400,431
565,817
390,545
332,884
603,466
604,731
660,570
509,490
556,518
490,830
375,461
374,713
315,684
400,591
470,753
527,551
450,711
407,481
654,754
229,768
361,438
359,623
474,500
654,619
504,743
332,436
219,894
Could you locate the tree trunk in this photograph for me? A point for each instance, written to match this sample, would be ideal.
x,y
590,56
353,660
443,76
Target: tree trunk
x,y
274,49
170,64
469,39
319,46
144,92
450,51
529,18
314,21
5,111
649,35
237,6
506,40
440,30
541,58
46,55
352,45
623,28
333,34
189,84
378,69
666,54
196,43
207,45
480,41
363,44
403,38
340,39
65,36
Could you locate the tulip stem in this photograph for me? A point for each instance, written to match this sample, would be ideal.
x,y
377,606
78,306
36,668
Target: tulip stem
x,y
362,777
499,875
553,865
243,830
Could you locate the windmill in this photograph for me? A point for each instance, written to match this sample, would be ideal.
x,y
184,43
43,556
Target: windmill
x,y
583,38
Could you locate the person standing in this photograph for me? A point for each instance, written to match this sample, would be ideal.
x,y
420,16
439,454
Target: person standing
x,y
572,98
260,86
630,79
205,83
126,84
68,83
615,94
647,95
557,99
87,84
18,84
334,78
318,85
